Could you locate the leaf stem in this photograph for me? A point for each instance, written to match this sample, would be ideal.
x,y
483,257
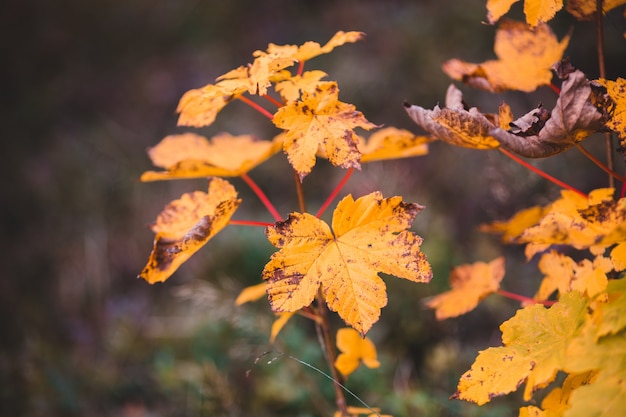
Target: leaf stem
x,y
540,172
599,163
522,298
329,351
256,107
300,192
300,68
250,223
273,101
266,202
332,195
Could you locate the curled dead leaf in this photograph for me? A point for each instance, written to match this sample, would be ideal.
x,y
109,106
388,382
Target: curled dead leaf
x,y
582,109
454,124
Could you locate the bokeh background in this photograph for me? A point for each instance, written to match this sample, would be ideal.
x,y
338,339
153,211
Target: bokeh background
x,y
89,86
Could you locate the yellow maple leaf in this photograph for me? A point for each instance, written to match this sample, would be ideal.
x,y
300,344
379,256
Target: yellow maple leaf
x,y
618,256
392,143
454,124
279,323
557,400
586,9
200,106
511,229
319,119
564,274
534,348
354,349
193,156
291,87
531,411
470,284
369,237
312,49
536,11
525,57
187,224
617,91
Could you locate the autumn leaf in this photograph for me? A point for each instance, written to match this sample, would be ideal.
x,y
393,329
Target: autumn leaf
x,y
355,350
290,87
536,11
511,229
586,9
534,341
187,224
193,156
251,293
581,110
199,107
525,57
368,236
319,119
392,143
279,323
563,274
616,90
604,351
361,411
453,124
557,400
311,49
470,284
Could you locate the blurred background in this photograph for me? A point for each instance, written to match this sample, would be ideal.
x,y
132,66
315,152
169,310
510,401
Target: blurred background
x,y
89,86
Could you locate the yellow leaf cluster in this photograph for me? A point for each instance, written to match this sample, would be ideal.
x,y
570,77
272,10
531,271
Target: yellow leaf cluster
x,y
525,57
368,236
187,224
470,284
617,91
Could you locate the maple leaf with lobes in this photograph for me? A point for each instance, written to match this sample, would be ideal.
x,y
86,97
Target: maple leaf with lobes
x,y
320,119
369,236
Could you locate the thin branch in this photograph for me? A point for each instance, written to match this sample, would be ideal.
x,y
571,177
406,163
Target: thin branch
x,y
249,223
329,349
256,107
273,101
300,68
522,298
332,195
540,172
300,192
266,202
600,164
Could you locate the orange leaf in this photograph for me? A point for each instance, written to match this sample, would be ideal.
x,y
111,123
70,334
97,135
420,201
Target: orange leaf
x,y
290,87
525,58
369,237
455,125
312,49
320,119
354,350
251,293
470,284
392,143
187,224
193,156
279,323
536,11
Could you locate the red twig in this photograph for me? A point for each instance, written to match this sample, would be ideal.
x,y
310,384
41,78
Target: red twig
x,y
332,195
273,100
266,202
540,172
300,68
256,107
250,223
600,164
523,298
